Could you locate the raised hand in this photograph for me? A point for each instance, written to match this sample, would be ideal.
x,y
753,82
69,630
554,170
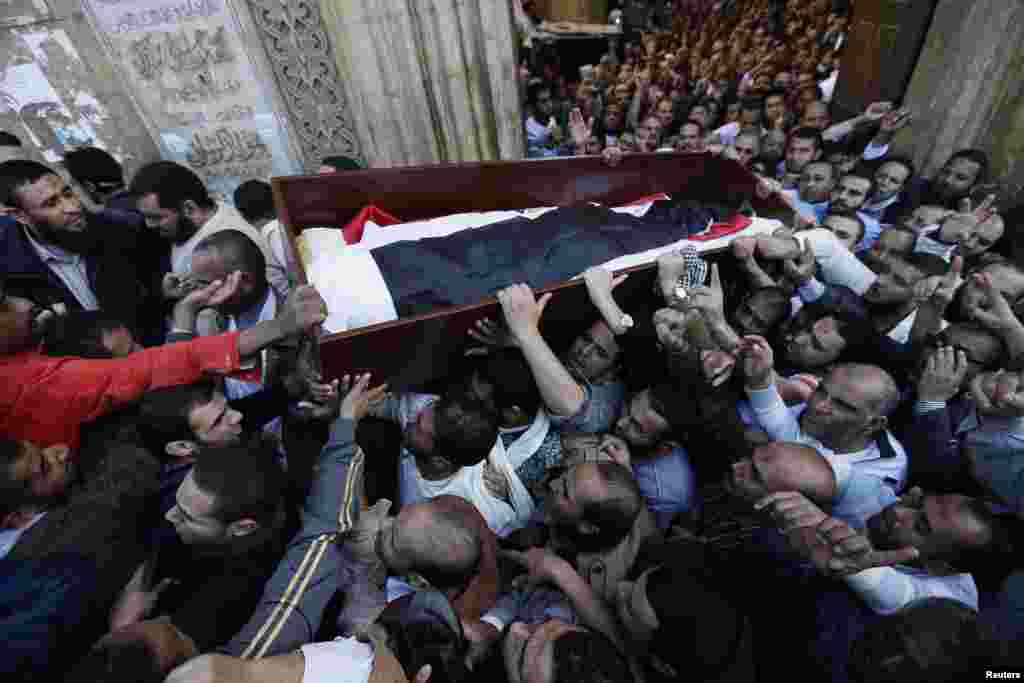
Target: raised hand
x,y
985,210
138,598
358,399
616,450
758,361
791,510
801,269
942,288
999,393
709,299
894,121
877,110
580,129
766,187
601,281
852,552
522,311
996,315
302,310
743,248
492,335
943,375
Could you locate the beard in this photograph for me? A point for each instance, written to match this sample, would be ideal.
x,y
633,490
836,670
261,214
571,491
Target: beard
x,y
76,241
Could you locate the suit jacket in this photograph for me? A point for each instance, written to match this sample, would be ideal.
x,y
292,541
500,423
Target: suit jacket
x,y
104,521
121,287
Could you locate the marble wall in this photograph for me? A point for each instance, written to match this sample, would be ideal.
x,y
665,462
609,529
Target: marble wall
x,y
967,91
58,90
428,81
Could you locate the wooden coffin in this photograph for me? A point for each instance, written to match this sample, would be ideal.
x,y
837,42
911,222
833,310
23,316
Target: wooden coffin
x,y
419,351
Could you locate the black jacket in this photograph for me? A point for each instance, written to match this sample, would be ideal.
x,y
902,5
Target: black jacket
x,y
122,288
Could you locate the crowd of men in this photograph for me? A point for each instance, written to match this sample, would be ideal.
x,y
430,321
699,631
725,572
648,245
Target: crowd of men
x,y
805,464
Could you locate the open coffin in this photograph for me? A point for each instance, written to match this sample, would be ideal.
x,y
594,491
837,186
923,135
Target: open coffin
x,y
418,351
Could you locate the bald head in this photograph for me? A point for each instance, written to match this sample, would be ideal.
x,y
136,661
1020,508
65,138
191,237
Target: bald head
x,y
782,466
439,541
878,387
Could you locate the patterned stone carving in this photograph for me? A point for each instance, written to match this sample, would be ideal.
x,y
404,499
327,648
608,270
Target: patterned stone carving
x,y
300,54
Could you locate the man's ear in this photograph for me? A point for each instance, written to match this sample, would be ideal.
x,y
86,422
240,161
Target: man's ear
x,y
182,449
243,527
189,208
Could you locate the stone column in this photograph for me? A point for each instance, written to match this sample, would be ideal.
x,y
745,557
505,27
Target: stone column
x,y
966,90
428,80
299,52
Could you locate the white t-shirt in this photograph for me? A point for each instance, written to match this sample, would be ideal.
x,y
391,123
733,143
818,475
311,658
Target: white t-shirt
x,y
343,660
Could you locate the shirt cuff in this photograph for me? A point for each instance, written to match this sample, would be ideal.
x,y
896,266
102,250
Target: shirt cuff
x,y
922,407
765,400
812,290
873,151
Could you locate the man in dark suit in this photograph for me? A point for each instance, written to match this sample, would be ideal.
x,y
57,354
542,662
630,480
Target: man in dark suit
x,y
58,254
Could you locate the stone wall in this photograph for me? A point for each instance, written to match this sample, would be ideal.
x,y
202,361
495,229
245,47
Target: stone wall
x,y
967,91
59,90
428,80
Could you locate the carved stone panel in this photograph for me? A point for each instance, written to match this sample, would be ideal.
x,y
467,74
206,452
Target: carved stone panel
x,y
300,54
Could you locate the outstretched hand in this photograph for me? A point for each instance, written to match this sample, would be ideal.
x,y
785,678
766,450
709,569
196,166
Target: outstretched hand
x,y
302,310
995,313
802,268
940,289
844,551
758,361
490,335
359,399
522,311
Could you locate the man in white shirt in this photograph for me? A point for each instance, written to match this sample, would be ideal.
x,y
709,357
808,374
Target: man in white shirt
x,y
176,204
845,420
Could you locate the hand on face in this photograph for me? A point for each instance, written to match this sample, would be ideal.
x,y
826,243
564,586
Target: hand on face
x,y
943,375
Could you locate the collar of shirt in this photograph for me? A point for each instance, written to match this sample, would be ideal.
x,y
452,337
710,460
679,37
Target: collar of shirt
x,y
9,537
995,426
51,252
259,312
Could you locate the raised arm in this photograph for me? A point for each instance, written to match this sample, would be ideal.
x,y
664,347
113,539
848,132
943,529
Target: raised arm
x,y
600,284
310,573
758,363
562,394
999,317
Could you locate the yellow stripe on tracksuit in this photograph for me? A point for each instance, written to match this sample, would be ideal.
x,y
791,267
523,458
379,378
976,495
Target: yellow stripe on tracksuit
x,y
307,568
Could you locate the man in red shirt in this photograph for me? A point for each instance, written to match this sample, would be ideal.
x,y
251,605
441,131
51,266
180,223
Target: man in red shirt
x,y
45,400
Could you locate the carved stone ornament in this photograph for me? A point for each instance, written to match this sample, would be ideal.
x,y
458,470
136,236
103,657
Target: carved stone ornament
x,y
300,53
